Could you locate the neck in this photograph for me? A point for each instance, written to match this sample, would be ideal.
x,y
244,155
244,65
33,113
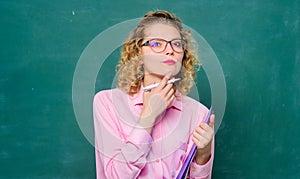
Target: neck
x,y
152,78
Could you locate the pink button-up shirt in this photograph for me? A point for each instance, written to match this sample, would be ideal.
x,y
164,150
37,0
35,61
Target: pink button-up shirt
x,y
126,150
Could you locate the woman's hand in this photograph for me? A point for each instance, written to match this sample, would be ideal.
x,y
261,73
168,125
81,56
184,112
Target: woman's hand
x,y
202,137
156,101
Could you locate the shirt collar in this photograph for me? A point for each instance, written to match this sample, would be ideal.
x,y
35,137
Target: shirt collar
x,y
137,99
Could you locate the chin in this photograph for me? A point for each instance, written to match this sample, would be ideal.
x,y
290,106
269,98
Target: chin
x,y
162,74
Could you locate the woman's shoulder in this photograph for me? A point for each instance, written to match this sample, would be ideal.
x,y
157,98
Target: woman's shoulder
x,y
108,94
191,103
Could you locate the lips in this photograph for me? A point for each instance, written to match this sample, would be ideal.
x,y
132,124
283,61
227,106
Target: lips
x,y
169,62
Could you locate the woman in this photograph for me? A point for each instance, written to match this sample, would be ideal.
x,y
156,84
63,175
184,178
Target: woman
x,y
148,133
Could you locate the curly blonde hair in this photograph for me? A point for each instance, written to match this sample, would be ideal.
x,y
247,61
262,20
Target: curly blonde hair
x,y
130,70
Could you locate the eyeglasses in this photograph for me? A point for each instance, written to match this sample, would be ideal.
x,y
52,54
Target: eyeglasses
x,y
160,45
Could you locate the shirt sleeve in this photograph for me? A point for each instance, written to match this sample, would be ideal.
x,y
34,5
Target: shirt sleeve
x,y
203,171
117,155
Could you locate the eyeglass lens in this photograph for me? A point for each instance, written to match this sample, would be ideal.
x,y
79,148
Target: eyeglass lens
x,y
159,45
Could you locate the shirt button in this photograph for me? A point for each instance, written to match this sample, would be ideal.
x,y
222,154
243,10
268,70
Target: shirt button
x,y
193,169
157,160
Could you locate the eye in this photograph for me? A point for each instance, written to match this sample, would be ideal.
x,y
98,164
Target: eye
x,y
154,43
177,44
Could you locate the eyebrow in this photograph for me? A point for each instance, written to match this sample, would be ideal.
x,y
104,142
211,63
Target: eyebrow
x,y
150,38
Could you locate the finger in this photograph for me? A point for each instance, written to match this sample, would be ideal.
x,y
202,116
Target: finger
x,y
164,81
165,90
204,126
199,130
200,143
212,121
207,133
168,92
197,134
171,99
201,133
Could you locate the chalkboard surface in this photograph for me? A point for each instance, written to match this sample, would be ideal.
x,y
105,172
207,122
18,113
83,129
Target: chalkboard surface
x,y
257,43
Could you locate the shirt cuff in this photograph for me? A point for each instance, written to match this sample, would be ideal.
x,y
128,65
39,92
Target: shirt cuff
x,y
139,135
138,143
201,171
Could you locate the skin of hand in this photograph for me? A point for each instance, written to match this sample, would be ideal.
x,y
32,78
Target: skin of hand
x,y
202,137
155,102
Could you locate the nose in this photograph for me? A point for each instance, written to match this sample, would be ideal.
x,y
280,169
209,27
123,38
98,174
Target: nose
x,y
169,50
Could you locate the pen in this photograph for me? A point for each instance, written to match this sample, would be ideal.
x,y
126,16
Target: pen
x,y
150,87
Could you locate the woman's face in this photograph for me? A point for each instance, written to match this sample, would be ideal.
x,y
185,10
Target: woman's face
x,y
166,61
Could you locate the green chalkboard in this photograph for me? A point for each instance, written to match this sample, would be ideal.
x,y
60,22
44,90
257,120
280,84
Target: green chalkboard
x,y
256,42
